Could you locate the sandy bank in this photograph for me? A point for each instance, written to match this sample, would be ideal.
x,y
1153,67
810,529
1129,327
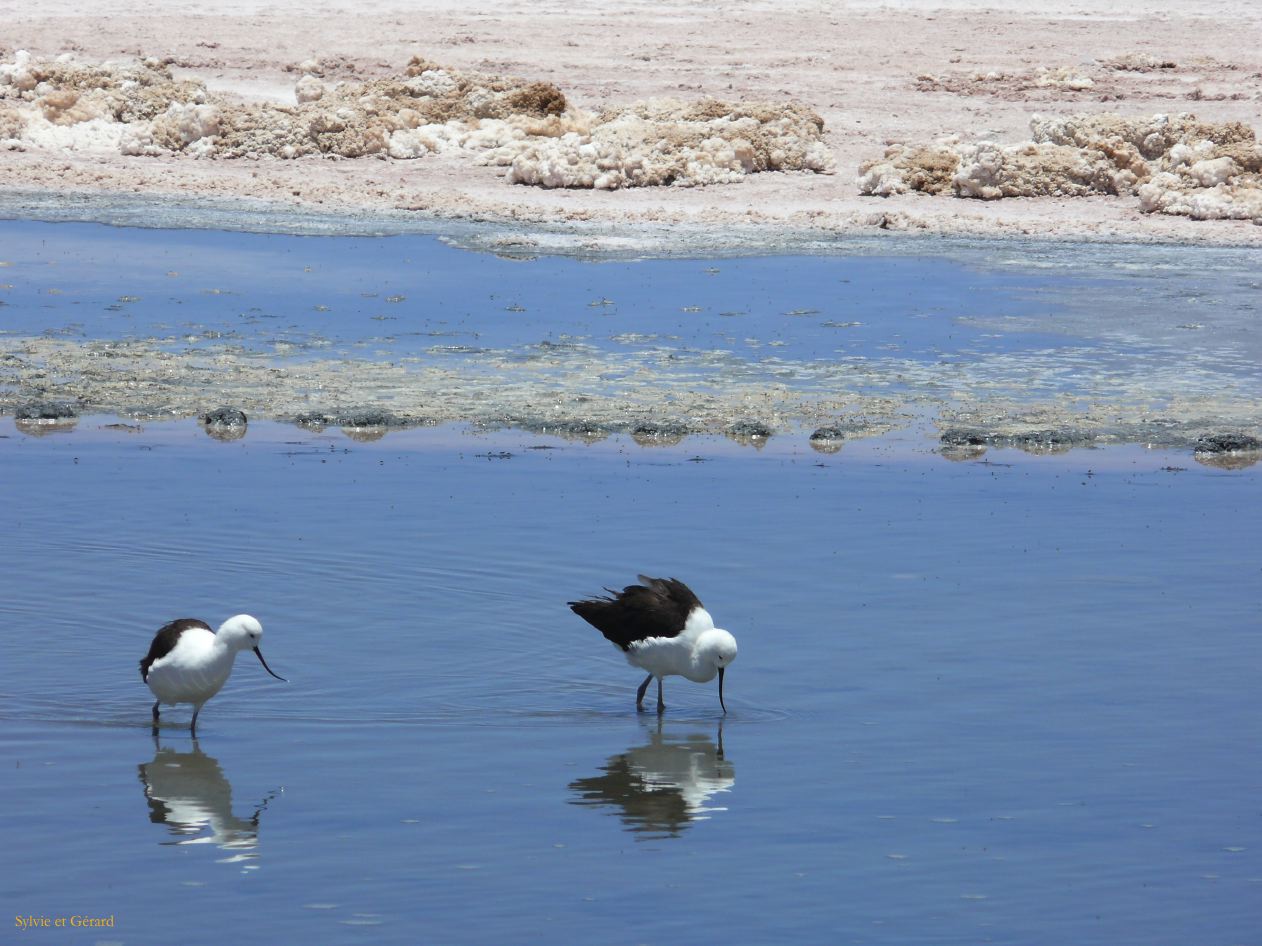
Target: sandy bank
x,y
881,80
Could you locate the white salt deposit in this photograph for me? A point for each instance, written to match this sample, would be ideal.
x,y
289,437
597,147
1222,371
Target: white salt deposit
x,y
1215,171
666,141
1062,77
189,128
17,73
309,89
432,83
1174,164
1168,193
136,108
97,134
527,127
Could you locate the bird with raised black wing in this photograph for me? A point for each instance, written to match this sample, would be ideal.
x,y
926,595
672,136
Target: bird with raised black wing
x,y
661,626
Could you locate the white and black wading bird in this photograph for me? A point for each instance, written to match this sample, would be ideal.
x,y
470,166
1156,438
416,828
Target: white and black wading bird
x,y
189,663
661,627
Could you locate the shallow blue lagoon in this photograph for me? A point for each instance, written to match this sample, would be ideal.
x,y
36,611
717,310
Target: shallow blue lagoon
x,y
1140,344
346,295
1006,701
413,295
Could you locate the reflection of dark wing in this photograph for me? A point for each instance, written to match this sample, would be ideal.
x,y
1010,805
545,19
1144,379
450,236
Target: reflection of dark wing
x,y
159,813
657,608
645,809
189,793
165,640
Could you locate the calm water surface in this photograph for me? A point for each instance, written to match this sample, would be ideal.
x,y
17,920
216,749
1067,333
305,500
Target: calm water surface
x,y
1012,701
1067,319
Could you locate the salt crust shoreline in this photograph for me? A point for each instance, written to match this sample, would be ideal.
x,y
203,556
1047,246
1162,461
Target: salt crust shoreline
x,y
515,236
968,76
660,394
879,78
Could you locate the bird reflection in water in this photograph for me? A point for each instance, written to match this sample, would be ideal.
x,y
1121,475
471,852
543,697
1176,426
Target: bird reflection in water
x,y
188,792
663,787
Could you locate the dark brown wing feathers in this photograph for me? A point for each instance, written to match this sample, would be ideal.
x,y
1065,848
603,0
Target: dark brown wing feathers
x,y
657,608
165,640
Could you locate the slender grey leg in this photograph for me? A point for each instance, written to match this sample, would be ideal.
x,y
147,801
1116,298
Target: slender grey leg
x,y
155,719
660,705
193,728
639,694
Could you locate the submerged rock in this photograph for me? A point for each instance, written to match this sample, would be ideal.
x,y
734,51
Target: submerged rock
x,y
225,423
653,434
365,434
1228,443
962,437
313,420
961,453
585,430
1228,451
750,432
359,417
1052,440
361,424
962,443
46,411
1228,461
225,417
38,418
827,439
1040,441
372,417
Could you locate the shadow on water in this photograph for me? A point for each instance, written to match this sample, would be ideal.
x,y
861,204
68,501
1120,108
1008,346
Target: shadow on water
x,y
190,794
661,788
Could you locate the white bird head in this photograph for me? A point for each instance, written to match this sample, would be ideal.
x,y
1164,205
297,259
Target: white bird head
x,y
715,651
243,632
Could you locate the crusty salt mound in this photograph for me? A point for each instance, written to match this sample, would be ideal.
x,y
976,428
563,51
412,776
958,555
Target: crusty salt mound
x,y
528,127
1174,165
665,141
1008,84
66,92
58,103
429,109
12,126
1138,62
1125,76
139,109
